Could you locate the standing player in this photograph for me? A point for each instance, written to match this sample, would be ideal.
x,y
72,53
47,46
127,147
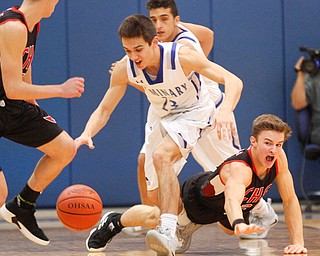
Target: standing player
x,y
181,110
225,196
22,120
210,150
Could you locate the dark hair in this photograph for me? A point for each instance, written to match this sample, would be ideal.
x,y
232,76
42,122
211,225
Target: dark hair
x,y
137,26
269,122
154,4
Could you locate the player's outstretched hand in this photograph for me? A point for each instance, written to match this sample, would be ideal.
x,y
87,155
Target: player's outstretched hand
x,y
295,249
242,228
81,140
225,125
73,87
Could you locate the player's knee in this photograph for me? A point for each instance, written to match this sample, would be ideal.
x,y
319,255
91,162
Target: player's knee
x,y
160,157
68,153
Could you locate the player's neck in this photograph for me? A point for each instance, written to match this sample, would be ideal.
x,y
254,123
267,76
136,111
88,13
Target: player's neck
x,y
260,168
31,16
175,32
153,67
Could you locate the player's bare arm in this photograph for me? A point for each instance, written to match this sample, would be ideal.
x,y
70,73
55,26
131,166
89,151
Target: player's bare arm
x,y
291,206
138,87
204,34
13,37
237,177
193,61
101,115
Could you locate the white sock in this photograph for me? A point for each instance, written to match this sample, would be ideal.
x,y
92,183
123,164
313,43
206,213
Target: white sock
x,y
261,208
169,222
183,219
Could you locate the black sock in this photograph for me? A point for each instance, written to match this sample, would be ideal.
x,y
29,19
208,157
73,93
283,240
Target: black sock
x,y
116,222
27,197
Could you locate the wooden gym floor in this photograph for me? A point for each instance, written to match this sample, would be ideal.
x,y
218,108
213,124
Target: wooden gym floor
x,y
208,240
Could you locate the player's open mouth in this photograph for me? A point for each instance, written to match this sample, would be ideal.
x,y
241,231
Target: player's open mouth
x,y
269,158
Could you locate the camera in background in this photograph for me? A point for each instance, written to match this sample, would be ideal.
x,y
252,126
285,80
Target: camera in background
x,y
312,64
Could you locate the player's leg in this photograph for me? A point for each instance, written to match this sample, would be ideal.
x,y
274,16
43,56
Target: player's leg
x,y
162,240
148,197
37,129
20,210
53,162
112,223
3,188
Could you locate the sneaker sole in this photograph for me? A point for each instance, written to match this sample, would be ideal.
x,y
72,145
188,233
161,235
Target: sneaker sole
x,y
7,216
158,244
92,249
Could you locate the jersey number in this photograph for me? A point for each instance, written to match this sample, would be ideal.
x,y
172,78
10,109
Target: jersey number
x,y
172,104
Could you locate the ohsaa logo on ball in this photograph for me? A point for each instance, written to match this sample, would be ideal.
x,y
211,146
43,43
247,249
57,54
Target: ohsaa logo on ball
x,y
79,207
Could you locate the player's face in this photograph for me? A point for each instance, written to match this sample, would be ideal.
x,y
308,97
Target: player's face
x,y
267,147
165,23
139,51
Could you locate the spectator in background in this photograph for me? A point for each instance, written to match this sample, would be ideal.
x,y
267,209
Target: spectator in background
x,y
306,91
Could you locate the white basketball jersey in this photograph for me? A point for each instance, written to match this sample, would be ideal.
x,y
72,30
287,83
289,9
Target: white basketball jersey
x,y
213,87
171,91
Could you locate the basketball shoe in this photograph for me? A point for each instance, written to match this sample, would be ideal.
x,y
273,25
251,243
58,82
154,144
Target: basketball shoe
x,y
108,227
265,220
25,221
160,241
184,236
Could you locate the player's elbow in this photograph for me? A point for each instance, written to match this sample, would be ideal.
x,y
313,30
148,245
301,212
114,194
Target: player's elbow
x,y
12,94
210,36
298,104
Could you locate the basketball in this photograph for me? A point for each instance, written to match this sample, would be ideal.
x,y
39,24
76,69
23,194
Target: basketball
x,y
79,207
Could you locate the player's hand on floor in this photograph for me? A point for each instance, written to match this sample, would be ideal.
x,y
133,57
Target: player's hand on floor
x,y
243,228
295,249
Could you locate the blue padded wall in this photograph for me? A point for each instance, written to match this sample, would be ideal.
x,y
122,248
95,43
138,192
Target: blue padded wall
x,y
256,40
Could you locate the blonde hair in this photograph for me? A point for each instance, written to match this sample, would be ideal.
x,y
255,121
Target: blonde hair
x,y
269,122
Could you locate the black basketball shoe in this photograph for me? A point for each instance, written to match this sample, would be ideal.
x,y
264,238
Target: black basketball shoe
x,y
108,227
25,221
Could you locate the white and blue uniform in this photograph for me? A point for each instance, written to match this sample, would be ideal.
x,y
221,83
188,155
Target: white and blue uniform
x,y
209,151
180,106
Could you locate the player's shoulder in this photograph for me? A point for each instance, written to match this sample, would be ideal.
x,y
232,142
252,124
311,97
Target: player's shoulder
x,y
12,27
282,162
119,73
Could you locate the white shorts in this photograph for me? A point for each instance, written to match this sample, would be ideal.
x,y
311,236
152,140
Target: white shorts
x,y
184,128
209,152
